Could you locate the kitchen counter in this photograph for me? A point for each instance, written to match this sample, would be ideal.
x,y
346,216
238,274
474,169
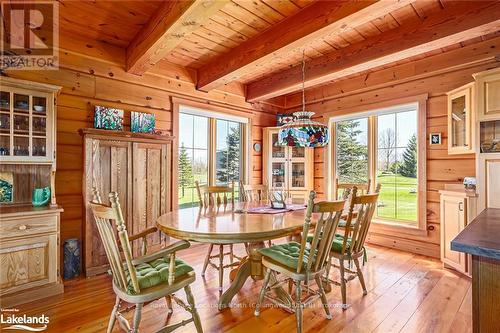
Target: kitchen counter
x,y
482,236
481,239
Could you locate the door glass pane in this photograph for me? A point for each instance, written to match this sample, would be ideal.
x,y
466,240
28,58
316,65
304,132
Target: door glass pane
x,y
39,105
21,103
193,155
4,123
21,146
278,151
458,121
298,152
397,166
228,152
4,145
352,151
21,125
4,101
298,174
39,147
278,171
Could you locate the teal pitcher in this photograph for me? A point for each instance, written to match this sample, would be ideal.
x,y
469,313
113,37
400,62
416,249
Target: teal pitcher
x,y
41,196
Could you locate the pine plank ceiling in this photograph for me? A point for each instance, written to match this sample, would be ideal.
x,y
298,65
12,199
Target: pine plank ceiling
x,y
206,38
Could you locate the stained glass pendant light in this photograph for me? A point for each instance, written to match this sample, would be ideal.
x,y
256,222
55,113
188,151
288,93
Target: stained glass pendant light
x,y
303,131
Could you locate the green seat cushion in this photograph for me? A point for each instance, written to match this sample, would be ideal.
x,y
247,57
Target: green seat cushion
x,y
153,273
286,254
338,240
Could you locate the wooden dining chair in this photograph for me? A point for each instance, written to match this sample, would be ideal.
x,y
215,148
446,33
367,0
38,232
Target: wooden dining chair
x,y
351,206
301,263
212,196
254,193
351,245
363,188
145,278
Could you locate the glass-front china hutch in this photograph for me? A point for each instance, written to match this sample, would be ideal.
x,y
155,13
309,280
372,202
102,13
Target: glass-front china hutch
x,y
29,223
287,168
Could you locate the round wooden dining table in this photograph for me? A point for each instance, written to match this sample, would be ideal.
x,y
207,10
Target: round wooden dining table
x,y
231,224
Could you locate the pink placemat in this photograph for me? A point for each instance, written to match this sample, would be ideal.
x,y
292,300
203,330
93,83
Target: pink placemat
x,y
269,210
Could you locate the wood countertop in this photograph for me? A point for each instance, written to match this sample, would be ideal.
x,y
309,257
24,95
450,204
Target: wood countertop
x,y
18,210
482,236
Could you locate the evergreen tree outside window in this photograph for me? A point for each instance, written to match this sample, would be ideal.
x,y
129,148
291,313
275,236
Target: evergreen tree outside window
x,y
193,157
228,153
352,151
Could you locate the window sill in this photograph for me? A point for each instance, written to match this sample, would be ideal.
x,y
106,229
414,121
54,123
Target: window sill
x,y
382,226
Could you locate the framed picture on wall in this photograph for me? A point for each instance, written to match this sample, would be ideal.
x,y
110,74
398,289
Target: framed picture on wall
x,y
141,122
435,139
108,118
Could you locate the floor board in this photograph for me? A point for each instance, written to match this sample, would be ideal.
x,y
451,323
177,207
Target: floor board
x,y
406,293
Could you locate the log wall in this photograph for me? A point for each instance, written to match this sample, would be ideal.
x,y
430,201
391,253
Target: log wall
x,y
91,73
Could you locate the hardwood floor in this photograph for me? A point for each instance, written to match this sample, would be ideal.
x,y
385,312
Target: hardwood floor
x,y
406,293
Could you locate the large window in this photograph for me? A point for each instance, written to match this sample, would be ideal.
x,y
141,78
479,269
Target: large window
x,y
382,147
209,159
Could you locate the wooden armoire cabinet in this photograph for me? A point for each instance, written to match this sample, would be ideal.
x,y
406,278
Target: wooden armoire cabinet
x,y
138,167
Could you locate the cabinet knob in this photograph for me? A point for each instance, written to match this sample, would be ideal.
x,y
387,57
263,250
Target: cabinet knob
x,y
22,227
461,206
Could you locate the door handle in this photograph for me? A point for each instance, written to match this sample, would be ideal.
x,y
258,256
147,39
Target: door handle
x,y
461,206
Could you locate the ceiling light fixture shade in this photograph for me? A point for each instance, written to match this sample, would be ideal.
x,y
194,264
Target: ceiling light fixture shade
x,y
303,131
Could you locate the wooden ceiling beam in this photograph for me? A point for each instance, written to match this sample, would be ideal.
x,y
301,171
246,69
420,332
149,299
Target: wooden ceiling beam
x,y
166,29
459,21
292,34
483,52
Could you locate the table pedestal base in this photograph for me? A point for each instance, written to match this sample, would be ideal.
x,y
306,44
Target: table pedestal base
x,y
250,266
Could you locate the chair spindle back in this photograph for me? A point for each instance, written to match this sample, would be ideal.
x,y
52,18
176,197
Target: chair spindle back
x,y
324,232
104,215
214,195
254,193
366,205
362,187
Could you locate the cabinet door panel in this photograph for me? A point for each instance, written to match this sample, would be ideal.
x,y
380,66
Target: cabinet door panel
x,y
110,170
493,183
150,190
453,218
27,263
492,97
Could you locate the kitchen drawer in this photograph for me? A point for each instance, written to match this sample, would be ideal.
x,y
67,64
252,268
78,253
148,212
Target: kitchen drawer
x,y
28,226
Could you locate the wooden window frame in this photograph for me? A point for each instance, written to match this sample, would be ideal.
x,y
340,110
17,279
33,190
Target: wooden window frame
x,y
371,111
211,112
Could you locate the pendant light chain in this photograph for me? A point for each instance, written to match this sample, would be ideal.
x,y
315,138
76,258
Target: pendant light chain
x,y
302,131
303,81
